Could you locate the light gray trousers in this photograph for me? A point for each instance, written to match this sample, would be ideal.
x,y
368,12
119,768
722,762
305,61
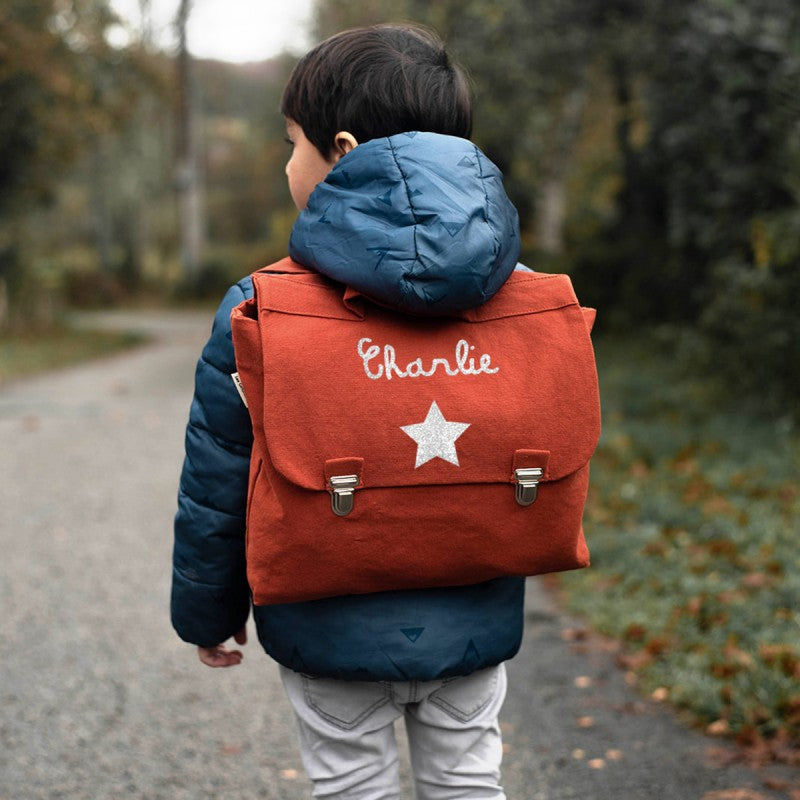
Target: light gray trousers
x,y
348,744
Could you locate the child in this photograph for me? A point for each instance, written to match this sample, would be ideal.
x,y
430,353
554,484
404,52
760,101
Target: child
x,y
352,665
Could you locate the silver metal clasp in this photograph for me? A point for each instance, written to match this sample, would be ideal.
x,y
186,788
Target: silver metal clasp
x,y
342,489
527,481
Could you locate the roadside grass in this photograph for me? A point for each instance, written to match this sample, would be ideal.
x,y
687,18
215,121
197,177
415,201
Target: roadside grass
x,y
693,521
28,353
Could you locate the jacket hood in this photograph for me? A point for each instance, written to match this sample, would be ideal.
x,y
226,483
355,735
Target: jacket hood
x,y
418,221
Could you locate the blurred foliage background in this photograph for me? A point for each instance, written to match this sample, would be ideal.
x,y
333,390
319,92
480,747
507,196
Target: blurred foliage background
x,y
652,148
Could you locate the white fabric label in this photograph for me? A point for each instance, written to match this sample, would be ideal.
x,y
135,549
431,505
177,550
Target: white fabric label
x,y
237,382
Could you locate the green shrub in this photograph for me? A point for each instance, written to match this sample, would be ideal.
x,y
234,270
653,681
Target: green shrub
x,y
751,325
692,521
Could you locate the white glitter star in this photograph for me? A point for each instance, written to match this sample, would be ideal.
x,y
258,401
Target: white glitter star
x,y
435,437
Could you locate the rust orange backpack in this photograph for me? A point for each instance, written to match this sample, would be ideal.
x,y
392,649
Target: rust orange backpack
x,y
398,452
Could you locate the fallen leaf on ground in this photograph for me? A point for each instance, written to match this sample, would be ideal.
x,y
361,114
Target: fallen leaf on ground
x,y
583,682
634,661
585,722
574,634
734,794
718,728
755,580
289,774
723,756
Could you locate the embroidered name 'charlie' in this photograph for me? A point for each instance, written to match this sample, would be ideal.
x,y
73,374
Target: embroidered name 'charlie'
x,y
380,362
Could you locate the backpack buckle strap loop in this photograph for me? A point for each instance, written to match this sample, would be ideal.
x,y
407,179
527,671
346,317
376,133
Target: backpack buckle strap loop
x,y
529,468
342,478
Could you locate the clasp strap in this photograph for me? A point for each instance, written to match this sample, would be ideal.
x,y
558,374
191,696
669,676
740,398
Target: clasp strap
x,y
527,481
342,489
342,478
529,468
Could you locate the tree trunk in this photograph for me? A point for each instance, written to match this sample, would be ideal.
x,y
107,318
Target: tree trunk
x,y
146,23
551,208
101,207
630,198
190,207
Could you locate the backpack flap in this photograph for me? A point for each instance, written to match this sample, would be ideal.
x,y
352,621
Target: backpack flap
x,y
472,399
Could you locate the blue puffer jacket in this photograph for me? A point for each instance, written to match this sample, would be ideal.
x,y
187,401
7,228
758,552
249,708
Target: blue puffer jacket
x,y
420,222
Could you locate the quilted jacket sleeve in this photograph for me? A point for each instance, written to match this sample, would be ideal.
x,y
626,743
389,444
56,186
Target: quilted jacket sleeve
x,y
210,596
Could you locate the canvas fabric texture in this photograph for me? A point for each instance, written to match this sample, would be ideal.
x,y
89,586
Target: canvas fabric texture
x,y
432,415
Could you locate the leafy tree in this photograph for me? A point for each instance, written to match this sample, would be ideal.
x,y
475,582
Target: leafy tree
x,y
717,103
523,64
61,87
705,119
534,66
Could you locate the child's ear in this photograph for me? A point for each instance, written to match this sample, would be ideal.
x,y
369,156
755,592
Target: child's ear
x,y
343,143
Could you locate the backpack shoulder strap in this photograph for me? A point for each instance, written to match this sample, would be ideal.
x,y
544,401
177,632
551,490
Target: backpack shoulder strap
x,y
526,293
290,288
286,266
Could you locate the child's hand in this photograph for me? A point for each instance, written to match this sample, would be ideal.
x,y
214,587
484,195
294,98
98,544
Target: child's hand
x,y
220,656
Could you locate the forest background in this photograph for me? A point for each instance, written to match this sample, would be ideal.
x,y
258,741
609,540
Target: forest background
x,y
652,148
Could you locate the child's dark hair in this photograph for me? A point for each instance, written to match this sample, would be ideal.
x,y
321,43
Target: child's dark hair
x,y
378,81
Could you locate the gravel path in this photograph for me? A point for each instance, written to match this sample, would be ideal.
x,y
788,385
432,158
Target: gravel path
x,y
99,698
